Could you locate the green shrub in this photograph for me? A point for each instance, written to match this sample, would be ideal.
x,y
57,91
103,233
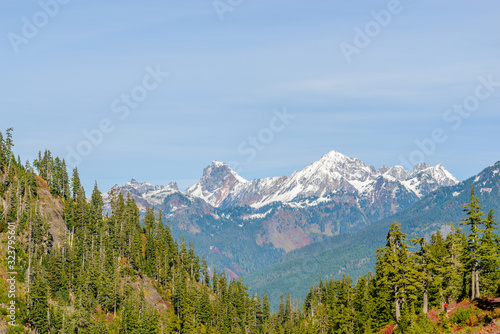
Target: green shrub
x,y
424,325
465,316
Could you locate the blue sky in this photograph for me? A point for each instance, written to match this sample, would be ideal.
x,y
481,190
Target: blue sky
x,y
231,72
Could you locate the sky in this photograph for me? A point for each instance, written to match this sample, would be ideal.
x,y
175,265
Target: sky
x,y
157,89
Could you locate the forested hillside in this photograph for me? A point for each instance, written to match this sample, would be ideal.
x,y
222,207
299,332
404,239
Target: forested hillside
x,y
70,269
77,271
353,254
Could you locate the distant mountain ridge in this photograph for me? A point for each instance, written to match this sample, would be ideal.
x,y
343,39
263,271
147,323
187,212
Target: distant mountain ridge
x,y
222,187
251,223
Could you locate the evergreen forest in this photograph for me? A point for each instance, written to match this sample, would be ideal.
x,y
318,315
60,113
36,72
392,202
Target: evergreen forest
x,y
78,268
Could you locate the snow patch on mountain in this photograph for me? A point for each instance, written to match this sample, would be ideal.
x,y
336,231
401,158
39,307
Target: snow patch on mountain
x,y
483,190
257,215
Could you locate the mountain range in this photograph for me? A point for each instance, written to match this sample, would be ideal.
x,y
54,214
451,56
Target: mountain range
x,y
243,226
353,253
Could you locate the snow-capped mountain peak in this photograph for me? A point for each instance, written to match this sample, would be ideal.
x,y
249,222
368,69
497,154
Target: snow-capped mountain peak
x,y
333,166
144,187
425,179
334,156
420,167
140,187
143,192
173,185
224,166
437,173
217,182
333,174
397,172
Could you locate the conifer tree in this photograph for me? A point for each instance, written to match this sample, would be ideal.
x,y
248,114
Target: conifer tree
x,y
472,255
204,307
281,310
364,304
215,282
151,245
6,145
266,309
452,268
204,271
395,269
75,184
130,315
149,321
424,264
65,188
436,255
96,208
56,182
38,309
2,152
56,274
489,265
193,263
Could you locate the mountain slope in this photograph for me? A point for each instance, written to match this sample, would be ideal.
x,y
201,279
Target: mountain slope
x,y
354,253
